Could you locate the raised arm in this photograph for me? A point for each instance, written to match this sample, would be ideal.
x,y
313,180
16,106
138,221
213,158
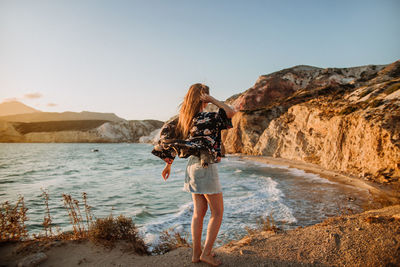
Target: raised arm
x,y
209,99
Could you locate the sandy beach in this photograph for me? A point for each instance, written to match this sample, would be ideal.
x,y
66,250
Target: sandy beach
x,y
384,195
368,239
371,238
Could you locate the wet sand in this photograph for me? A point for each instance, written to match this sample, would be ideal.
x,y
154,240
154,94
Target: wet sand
x,y
384,195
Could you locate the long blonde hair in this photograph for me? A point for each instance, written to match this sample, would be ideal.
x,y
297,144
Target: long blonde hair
x,y
190,106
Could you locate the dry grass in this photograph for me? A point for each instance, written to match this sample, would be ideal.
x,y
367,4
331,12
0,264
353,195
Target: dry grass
x,y
47,218
12,221
105,231
266,224
75,216
170,240
109,230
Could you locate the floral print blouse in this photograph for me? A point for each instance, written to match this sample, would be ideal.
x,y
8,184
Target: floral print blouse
x,y
205,135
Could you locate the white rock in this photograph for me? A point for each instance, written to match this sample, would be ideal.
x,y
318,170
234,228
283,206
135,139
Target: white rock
x,y
152,138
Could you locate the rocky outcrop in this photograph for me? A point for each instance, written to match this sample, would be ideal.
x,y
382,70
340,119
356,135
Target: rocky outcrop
x,y
248,127
77,131
350,143
152,138
8,133
342,119
282,84
142,128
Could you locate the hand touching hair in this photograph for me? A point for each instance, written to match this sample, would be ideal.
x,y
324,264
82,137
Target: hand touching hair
x,y
191,105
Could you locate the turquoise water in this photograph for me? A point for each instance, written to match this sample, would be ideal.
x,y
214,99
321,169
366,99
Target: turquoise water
x,y
126,179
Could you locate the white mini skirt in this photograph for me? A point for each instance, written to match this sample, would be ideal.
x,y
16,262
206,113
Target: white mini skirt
x,y
199,180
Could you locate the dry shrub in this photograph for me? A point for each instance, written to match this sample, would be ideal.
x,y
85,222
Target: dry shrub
x,y
12,221
88,210
74,213
47,218
72,207
107,231
170,240
251,231
266,224
104,230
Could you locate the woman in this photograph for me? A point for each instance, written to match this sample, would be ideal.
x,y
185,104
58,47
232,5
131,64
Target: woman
x,y
197,135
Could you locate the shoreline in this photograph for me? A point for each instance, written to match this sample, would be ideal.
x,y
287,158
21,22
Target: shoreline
x,y
370,238
385,196
345,239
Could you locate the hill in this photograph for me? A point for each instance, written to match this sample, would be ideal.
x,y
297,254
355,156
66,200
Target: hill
x,y
15,107
63,116
77,131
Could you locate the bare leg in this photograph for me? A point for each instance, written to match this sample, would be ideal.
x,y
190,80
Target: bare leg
x,y
199,211
217,210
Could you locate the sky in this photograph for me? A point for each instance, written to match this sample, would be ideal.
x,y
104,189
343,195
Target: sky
x,y
137,59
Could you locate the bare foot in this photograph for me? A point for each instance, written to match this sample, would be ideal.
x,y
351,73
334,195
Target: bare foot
x,y
196,259
210,259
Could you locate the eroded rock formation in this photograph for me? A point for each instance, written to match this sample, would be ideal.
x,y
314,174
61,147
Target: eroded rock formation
x,y
342,119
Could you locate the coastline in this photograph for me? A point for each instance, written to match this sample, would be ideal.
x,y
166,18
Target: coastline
x,y
384,195
370,238
335,241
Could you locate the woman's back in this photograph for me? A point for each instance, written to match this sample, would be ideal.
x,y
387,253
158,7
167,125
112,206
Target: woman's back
x,y
207,127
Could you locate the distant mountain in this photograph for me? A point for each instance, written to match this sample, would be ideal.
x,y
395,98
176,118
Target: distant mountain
x,y
15,107
64,116
70,127
79,131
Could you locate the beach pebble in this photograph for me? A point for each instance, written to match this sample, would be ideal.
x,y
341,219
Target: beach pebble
x,y
246,252
32,260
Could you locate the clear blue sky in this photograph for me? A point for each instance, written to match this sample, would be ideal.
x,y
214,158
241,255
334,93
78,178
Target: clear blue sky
x,y
138,58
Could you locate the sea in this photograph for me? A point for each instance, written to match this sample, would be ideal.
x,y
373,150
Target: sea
x,y
125,178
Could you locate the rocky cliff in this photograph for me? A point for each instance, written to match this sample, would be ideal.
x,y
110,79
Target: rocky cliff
x,y
77,131
344,119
